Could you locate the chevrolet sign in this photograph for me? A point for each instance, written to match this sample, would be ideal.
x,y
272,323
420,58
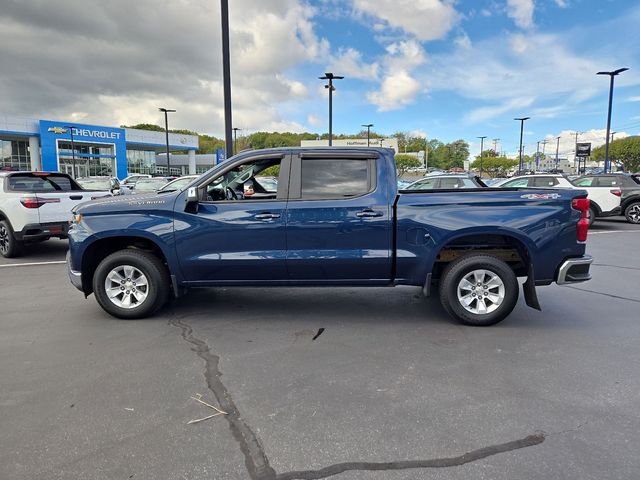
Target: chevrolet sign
x,y
57,130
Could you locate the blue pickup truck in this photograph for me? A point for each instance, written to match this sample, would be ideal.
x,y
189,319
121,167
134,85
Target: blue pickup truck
x,y
328,216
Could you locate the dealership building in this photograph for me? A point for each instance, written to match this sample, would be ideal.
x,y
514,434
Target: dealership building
x,y
45,145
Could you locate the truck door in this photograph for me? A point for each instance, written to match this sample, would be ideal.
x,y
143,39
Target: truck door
x,y
238,231
339,219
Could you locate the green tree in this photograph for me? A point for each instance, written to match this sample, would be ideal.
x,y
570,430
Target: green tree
x,y
405,162
625,152
494,166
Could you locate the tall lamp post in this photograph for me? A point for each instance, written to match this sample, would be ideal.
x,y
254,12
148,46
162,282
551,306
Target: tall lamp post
x,y
73,150
495,146
521,120
235,140
166,132
557,150
537,154
368,125
226,77
607,163
331,77
481,150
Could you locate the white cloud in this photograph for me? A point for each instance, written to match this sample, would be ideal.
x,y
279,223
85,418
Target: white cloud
x,y
424,19
314,120
397,90
568,140
634,99
485,113
463,41
521,11
406,54
348,62
562,3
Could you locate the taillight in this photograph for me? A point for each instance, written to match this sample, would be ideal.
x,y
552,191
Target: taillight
x,y
35,202
617,192
581,204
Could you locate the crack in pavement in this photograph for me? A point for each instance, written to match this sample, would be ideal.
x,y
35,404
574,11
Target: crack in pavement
x,y
468,457
610,295
256,459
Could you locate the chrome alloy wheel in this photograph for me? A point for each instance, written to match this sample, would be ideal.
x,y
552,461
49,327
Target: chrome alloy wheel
x,y
126,286
481,292
4,239
633,213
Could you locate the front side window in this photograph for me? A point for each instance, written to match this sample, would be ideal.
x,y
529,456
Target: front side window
x,y
584,182
254,180
334,178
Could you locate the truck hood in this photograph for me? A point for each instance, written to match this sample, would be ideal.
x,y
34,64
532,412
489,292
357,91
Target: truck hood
x,y
127,203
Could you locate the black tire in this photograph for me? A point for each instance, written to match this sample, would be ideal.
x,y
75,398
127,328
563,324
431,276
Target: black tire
x,y
591,215
454,274
154,270
632,212
9,246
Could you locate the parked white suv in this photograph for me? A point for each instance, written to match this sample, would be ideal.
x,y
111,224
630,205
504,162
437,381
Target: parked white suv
x,y
605,201
36,206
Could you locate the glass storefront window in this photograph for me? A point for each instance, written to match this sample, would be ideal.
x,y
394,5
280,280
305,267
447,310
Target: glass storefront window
x,y
141,161
14,155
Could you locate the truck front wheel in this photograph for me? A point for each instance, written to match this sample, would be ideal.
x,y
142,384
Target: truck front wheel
x,y
131,284
478,290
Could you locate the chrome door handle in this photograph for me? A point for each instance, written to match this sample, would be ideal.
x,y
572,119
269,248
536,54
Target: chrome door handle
x,y
368,214
267,216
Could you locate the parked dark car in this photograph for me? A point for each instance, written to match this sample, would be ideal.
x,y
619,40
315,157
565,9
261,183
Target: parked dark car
x,y
630,186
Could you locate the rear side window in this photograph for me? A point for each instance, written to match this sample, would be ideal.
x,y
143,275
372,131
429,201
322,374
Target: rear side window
x,y
41,183
608,182
545,181
335,178
520,182
584,182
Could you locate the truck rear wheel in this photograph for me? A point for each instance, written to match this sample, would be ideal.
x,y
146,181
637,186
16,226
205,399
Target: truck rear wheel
x,y
131,284
478,290
9,246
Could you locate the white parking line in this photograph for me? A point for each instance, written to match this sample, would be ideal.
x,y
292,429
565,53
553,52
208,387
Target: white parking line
x,y
614,231
33,264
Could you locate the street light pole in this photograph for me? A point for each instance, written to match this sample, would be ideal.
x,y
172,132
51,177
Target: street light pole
x,y
495,145
331,77
368,125
537,153
557,150
166,131
577,134
226,76
521,120
607,164
235,143
73,150
481,150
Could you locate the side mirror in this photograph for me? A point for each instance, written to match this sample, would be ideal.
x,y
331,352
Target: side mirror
x,y
192,200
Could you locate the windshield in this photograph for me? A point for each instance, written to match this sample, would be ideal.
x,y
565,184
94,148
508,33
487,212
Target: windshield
x,y
149,185
95,183
177,184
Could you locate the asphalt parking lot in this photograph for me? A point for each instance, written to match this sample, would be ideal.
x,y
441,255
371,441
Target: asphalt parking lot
x,y
357,383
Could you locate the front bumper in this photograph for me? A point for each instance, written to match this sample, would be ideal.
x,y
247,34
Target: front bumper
x,y
574,270
74,277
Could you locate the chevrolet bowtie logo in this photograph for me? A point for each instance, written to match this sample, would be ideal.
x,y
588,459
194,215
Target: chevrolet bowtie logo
x,y
57,130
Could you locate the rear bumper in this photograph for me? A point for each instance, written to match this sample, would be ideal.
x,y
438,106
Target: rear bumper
x,y
574,270
74,276
38,231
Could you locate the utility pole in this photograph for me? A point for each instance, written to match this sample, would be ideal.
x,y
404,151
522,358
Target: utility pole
x,y
607,164
235,143
226,77
426,154
368,125
521,120
495,145
557,149
577,134
166,133
331,77
537,154
544,144
612,134
481,150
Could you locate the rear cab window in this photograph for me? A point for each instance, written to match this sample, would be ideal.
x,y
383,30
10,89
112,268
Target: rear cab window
x,y
45,183
335,178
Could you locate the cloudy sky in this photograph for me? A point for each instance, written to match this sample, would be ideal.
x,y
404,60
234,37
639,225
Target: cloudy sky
x,y
443,68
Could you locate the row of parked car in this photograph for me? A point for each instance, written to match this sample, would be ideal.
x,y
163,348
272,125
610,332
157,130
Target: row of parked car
x,y
135,184
610,194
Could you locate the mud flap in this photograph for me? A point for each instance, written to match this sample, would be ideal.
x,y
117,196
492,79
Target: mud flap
x,y
529,290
